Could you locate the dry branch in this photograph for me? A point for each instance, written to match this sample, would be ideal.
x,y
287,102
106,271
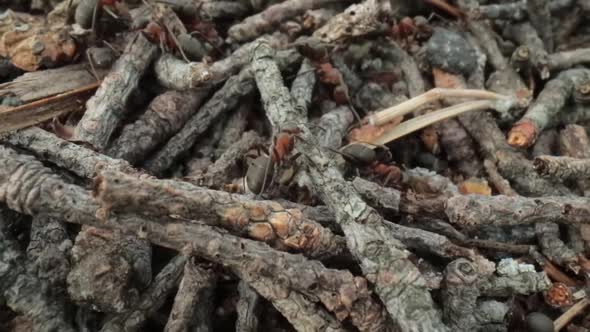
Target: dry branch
x,y
339,291
383,259
151,300
547,106
107,107
272,16
25,293
75,158
165,116
261,220
517,210
563,168
224,100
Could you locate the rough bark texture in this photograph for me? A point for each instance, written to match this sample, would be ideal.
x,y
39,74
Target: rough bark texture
x,y
262,220
563,168
227,166
516,210
272,16
383,259
151,300
341,292
165,116
24,292
574,142
75,158
540,17
547,105
224,100
107,107
248,309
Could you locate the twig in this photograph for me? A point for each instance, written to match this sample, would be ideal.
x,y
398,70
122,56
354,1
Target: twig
x,y
151,300
264,21
24,293
224,100
572,312
562,168
339,291
248,309
106,109
81,161
165,116
547,105
360,223
192,302
262,220
516,210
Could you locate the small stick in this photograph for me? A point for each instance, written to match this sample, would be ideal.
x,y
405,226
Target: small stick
x,y
572,312
106,109
563,168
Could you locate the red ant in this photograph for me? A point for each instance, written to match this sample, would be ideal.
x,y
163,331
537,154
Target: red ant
x,y
283,144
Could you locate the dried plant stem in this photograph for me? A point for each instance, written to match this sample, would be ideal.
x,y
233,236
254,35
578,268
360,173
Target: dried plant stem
x,y
572,312
427,119
432,95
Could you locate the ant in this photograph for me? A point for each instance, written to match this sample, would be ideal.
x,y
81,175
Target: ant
x,y
371,157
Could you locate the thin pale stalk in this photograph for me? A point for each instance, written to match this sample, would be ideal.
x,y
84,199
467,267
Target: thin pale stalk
x,y
435,94
428,119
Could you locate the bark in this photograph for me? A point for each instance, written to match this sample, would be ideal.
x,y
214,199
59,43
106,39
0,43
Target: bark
x,y
227,167
363,227
332,127
79,160
303,86
248,309
527,36
264,21
177,74
108,269
234,128
224,100
356,21
540,17
339,291
568,59
164,117
150,301
24,292
514,11
48,254
46,83
516,210
192,309
563,168
108,106
547,106
551,245
209,9
502,185
262,220
574,142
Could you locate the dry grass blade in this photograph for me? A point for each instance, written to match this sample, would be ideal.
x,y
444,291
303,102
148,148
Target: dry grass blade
x,y
432,95
45,109
426,120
